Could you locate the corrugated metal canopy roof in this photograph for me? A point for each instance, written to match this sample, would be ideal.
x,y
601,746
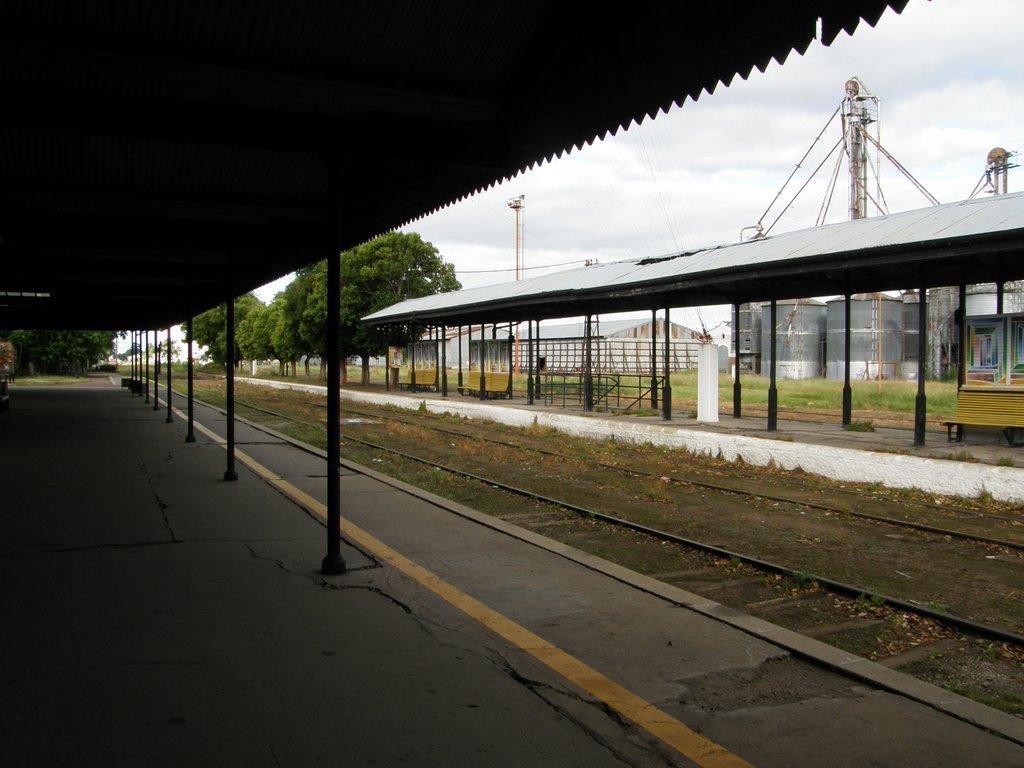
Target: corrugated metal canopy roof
x,y
143,142
972,241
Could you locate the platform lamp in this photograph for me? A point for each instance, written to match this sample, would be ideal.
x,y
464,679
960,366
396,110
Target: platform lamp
x,y
518,204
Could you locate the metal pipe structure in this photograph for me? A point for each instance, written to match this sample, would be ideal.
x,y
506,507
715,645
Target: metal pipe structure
x,y
737,392
170,418
230,473
773,392
460,356
856,118
518,204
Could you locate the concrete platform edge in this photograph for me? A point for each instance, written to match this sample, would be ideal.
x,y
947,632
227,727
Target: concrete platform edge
x,y
799,645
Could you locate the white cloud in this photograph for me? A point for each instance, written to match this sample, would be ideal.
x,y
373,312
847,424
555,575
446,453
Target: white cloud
x,y
946,73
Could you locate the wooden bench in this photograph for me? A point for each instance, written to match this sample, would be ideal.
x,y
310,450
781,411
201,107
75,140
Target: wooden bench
x,y
989,408
425,379
495,384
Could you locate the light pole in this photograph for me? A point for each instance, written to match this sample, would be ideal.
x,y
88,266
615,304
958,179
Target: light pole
x,y
518,204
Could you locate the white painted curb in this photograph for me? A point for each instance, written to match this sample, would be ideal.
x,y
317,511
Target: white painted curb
x,y
948,478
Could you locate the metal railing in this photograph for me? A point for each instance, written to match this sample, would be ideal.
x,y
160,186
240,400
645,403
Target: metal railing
x,y
621,391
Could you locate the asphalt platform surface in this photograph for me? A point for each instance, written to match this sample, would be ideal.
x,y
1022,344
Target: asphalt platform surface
x,y
155,614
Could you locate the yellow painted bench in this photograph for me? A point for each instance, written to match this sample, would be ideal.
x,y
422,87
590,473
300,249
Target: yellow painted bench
x,y
425,378
495,384
989,408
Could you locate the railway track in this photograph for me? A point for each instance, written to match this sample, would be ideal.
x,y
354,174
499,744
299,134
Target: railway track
x,y
864,592
846,612
802,492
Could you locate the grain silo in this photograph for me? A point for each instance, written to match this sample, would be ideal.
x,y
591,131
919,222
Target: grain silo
x,y
800,335
748,338
876,337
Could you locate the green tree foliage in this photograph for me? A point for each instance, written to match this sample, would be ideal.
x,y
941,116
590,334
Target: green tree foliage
x,y
378,274
210,329
382,272
290,306
56,352
255,334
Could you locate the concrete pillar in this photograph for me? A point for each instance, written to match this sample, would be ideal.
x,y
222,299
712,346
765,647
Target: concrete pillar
x,y
707,382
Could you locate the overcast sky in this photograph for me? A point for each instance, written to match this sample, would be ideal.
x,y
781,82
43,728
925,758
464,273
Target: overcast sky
x,y
947,74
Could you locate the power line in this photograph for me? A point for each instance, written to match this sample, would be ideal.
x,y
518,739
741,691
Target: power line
x,y
521,269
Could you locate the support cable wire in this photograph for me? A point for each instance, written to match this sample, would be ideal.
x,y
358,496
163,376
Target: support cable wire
x,y
983,182
830,190
657,173
920,187
797,168
802,188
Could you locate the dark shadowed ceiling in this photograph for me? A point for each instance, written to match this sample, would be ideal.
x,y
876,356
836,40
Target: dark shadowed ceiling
x,y
147,146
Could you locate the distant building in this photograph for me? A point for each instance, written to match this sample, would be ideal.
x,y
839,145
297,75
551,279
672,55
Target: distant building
x,y
621,346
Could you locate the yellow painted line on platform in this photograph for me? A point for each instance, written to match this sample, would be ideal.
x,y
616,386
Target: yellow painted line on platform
x,y
658,723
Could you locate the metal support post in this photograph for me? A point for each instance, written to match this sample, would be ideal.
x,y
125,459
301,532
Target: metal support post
x,y
666,391
156,370
483,380
920,402
588,376
146,380
190,436
962,351
169,419
444,361
536,384
773,392
230,474
654,359
847,389
737,392
529,362
460,356
333,562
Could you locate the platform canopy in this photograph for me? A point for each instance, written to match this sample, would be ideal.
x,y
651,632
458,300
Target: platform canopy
x,y
146,145
974,241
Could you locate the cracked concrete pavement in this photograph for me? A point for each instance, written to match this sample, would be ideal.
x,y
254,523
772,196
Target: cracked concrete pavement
x,y
154,612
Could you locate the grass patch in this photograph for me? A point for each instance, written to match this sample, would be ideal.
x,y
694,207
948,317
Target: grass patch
x,y
860,426
48,381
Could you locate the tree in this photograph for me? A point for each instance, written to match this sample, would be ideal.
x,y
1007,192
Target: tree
x,y
61,351
389,269
290,304
255,334
210,329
